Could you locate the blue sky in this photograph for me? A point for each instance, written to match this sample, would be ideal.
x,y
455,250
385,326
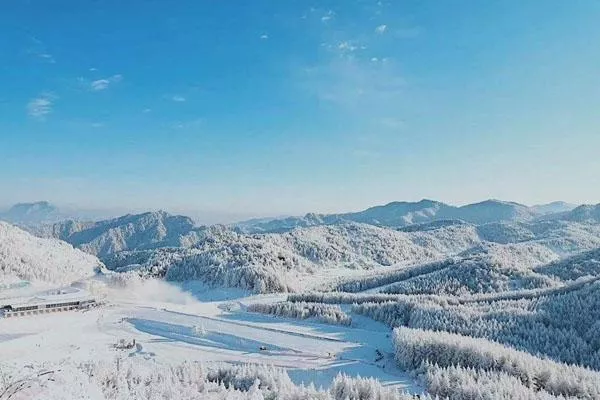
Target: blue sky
x,y
284,107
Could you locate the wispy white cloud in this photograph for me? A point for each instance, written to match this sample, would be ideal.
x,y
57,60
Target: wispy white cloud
x,y
102,84
328,16
347,75
41,106
38,49
47,57
381,29
354,82
347,46
264,36
178,98
353,74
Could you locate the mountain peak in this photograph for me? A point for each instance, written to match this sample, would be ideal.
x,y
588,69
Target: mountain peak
x,y
37,205
497,203
553,207
32,213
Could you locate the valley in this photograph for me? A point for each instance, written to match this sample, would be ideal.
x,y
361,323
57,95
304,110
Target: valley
x,y
311,311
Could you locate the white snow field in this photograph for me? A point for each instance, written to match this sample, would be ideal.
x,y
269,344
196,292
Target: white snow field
x,y
171,326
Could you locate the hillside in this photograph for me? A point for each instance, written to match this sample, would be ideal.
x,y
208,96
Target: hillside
x,y
130,232
504,253
274,262
583,213
24,256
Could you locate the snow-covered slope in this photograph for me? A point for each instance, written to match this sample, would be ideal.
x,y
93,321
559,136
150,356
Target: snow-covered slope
x,y
279,261
574,267
130,232
27,257
584,213
275,262
278,225
488,267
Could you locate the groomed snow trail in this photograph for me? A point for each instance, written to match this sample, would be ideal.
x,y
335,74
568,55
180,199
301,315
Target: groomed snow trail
x,y
190,330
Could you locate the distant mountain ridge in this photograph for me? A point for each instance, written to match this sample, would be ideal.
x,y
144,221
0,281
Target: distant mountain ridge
x,y
494,220
275,254
399,214
553,208
31,213
44,212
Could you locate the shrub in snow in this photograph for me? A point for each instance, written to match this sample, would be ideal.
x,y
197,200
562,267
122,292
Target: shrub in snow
x,y
136,378
331,314
460,383
199,330
344,387
360,298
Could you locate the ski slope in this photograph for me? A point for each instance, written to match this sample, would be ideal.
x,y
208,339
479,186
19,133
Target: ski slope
x,y
171,326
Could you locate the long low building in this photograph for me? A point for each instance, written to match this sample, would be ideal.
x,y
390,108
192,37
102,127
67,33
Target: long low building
x,y
56,300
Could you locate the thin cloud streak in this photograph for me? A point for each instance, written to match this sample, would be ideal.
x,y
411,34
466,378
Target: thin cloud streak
x,y
103,84
41,106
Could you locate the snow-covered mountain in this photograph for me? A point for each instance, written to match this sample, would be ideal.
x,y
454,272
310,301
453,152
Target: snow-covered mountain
x,y
553,208
166,245
24,256
278,225
400,214
492,211
583,213
130,232
283,261
32,213
275,262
